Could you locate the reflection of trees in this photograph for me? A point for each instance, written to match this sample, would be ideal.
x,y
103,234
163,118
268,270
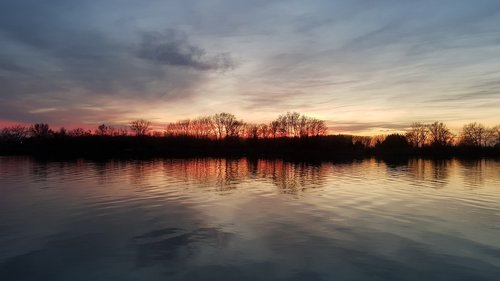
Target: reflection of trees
x,y
291,177
225,174
137,172
436,172
143,171
473,172
221,173
43,170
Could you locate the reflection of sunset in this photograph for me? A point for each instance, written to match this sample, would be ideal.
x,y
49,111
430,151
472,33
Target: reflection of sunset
x,y
224,173
160,211
227,174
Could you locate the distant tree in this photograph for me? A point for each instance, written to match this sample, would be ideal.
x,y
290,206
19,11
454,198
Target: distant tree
x,y
15,133
102,130
316,127
236,128
140,127
219,125
40,130
377,140
120,132
292,124
364,141
289,125
226,125
495,134
251,131
395,142
179,128
475,134
263,130
79,132
61,133
439,134
274,127
157,134
202,127
417,134
184,127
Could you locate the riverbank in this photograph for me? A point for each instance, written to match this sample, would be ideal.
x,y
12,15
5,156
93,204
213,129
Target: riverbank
x,y
320,148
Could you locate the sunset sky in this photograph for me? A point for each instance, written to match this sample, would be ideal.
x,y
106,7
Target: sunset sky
x,y
364,66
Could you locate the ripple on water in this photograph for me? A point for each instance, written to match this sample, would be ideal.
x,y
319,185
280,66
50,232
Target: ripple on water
x,y
256,219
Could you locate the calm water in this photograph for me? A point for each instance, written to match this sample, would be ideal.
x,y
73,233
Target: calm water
x,y
217,219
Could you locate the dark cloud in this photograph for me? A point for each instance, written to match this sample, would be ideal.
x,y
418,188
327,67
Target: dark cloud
x,y
61,55
172,47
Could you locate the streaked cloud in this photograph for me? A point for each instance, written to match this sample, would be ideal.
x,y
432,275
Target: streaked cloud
x,y
42,110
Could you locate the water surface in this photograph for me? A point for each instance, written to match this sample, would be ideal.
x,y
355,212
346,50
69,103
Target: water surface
x,y
219,219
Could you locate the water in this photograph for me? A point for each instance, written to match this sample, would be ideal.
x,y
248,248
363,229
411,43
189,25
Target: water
x,y
217,219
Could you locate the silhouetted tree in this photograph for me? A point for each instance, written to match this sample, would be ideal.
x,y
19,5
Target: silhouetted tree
x,y
395,142
79,132
263,131
292,124
226,124
140,127
120,132
179,128
475,134
40,130
289,124
439,134
377,140
61,133
495,134
202,127
236,128
157,134
251,131
218,125
274,127
417,134
102,130
363,141
15,133
315,127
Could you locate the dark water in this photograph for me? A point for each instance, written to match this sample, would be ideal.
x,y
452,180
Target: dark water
x,y
214,219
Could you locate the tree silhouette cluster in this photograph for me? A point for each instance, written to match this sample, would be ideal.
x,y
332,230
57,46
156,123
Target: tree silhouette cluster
x,y
223,134
438,134
225,125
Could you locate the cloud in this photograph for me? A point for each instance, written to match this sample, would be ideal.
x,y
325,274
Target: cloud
x,y
69,57
356,127
409,59
172,47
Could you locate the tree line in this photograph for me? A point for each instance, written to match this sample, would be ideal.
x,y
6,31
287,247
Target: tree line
x,y
217,126
225,125
289,125
438,134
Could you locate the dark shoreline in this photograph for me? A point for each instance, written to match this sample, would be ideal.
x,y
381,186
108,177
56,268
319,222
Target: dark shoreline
x,y
323,148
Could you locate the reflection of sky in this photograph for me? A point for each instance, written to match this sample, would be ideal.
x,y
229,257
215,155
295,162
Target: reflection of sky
x,y
361,66
218,219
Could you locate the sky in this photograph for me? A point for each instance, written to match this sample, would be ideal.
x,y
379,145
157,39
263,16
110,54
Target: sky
x,y
366,67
